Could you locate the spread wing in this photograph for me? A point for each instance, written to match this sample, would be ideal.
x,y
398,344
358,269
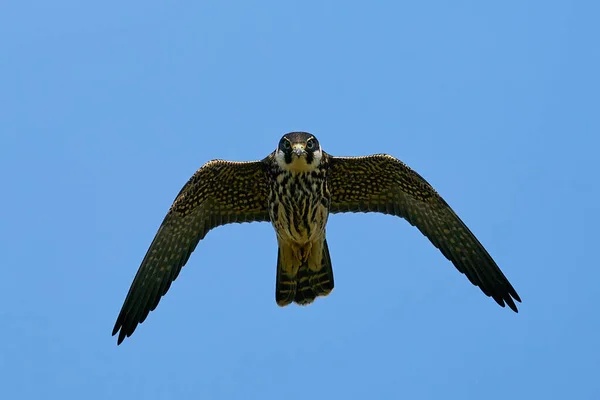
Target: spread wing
x,y
382,183
220,192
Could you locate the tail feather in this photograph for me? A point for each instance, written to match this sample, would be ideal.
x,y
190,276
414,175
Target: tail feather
x,y
307,284
285,288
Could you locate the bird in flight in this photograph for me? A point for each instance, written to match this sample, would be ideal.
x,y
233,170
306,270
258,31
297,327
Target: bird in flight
x,y
295,188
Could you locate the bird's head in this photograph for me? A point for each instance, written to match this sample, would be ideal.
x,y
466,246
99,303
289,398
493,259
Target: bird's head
x,y
298,152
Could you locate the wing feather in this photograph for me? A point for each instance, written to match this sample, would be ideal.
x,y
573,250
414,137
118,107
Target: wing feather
x,y
220,192
382,183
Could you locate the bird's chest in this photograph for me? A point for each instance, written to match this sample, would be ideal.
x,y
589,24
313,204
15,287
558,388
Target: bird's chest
x,y
299,206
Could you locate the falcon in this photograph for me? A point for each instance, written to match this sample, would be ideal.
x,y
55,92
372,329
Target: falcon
x,y
295,188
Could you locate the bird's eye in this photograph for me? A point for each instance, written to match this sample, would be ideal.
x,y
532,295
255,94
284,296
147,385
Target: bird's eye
x,y
286,144
310,144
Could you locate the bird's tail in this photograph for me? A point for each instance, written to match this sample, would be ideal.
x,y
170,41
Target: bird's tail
x,y
305,284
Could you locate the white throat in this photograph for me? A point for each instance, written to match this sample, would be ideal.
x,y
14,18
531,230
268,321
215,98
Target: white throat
x,y
298,164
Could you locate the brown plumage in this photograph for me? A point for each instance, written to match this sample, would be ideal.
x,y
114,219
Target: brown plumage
x,y
220,192
382,183
295,188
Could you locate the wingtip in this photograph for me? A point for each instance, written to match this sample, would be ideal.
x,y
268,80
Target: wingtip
x,y
504,301
120,337
120,330
509,301
514,295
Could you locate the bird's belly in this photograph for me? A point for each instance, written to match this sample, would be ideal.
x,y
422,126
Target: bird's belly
x,y
300,223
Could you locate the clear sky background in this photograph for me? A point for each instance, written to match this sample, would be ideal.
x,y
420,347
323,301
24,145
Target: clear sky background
x,y
106,110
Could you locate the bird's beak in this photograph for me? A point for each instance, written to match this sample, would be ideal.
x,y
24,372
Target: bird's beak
x,y
299,150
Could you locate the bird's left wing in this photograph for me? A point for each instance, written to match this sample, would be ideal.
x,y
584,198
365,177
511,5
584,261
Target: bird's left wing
x,y
382,183
219,193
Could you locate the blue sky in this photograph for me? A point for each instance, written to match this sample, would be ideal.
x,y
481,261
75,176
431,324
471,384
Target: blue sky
x,y
107,109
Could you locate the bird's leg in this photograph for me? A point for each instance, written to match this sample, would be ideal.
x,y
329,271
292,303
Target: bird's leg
x,y
302,251
289,259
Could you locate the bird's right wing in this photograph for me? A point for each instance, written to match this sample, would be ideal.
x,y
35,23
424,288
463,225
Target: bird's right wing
x,y
220,192
382,183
